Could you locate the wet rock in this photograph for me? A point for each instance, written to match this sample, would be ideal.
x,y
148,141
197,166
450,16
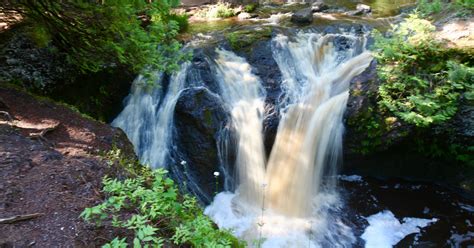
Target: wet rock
x,y
318,7
246,15
199,117
361,9
303,16
200,73
266,68
364,8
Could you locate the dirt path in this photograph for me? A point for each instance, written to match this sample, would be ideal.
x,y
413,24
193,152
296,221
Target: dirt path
x,y
56,175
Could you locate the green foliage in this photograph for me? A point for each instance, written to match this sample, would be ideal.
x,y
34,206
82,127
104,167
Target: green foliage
x,y
218,10
465,3
427,7
421,81
430,7
250,7
182,21
39,35
153,209
96,34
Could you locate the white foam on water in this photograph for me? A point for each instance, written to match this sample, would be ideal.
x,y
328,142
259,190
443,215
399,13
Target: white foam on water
x,y
276,230
352,178
385,230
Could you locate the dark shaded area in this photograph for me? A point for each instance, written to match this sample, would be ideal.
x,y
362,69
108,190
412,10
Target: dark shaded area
x,y
411,199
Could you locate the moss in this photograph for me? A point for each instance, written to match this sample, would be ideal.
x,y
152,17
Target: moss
x,y
243,39
208,117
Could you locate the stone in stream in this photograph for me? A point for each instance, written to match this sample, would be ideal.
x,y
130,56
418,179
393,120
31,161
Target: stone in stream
x,y
361,9
303,16
319,6
246,15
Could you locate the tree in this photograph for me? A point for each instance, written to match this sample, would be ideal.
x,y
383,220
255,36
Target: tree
x,y
95,34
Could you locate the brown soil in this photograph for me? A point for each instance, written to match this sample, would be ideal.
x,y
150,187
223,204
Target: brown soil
x,y
57,175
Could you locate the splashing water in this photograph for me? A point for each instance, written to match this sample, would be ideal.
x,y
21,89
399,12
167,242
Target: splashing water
x,y
147,123
296,208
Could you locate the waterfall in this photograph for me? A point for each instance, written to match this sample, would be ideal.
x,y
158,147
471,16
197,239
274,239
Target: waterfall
x,y
294,201
147,118
309,137
244,96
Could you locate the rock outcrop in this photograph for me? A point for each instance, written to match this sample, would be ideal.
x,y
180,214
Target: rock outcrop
x,y
303,16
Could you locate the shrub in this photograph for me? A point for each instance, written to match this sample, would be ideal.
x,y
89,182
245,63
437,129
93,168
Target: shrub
x,y
421,83
250,7
153,209
427,8
97,34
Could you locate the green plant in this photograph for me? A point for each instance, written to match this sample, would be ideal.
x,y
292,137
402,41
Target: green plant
x,y
250,7
96,34
182,21
421,83
153,209
465,3
429,7
39,35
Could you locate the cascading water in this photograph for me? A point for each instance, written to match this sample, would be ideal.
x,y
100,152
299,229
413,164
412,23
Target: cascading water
x,y
309,136
244,96
147,123
294,208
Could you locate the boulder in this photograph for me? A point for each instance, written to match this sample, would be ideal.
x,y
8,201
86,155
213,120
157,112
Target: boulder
x,y
365,9
303,16
361,9
199,118
246,15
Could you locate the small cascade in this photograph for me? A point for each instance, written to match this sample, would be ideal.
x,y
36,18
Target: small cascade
x,y
244,96
147,118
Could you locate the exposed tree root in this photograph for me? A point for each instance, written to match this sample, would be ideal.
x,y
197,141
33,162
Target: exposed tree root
x,y
17,218
7,115
43,132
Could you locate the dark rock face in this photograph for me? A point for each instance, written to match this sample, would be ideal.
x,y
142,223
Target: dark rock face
x,y
199,117
304,16
46,71
200,73
266,68
37,68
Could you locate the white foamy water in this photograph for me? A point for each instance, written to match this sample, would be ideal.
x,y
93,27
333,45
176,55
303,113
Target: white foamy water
x,y
244,97
385,230
147,118
276,230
